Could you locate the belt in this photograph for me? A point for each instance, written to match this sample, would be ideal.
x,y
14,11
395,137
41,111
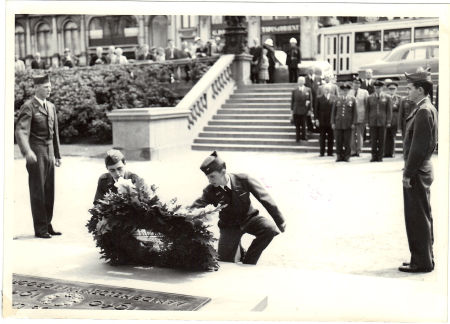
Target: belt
x,y
35,141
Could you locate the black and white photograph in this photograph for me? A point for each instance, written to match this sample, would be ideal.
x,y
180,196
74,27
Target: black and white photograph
x,y
212,161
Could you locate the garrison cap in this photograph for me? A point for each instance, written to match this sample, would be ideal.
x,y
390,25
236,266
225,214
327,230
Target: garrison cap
x,y
41,79
420,75
378,83
212,163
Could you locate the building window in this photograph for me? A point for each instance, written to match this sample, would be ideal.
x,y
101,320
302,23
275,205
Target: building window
x,y
395,37
368,41
43,40
266,17
187,21
159,31
113,30
20,41
95,29
425,34
216,20
72,37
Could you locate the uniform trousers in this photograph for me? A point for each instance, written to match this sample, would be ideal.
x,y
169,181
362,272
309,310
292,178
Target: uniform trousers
x,y
389,144
343,137
300,126
293,74
271,74
357,138
418,220
326,134
230,237
41,183
377,135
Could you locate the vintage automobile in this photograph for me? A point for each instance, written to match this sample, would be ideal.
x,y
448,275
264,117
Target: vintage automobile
x,y
405,58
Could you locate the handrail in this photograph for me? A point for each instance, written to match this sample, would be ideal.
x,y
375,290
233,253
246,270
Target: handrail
x,y
217,77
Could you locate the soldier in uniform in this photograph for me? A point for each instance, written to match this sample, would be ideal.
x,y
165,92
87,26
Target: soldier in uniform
x,y
293,58
323,120
406,106
343,119
378,117
38,140
361,96
419,144
239,217
301,101
391,132
115,164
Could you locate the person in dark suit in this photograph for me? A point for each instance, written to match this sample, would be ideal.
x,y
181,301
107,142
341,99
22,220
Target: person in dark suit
x,y
343,120
98,57
301,100
420,142
37,63
115,164
171,52
38,139
268,44
239,216
368,82
378,118
322,113
293,58
391,132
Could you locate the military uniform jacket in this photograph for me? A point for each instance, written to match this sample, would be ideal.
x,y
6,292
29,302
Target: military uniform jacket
x,y
36,125
420,138
379,110
323,110
396,102
343,114
240,209
298,101
293,57
106,183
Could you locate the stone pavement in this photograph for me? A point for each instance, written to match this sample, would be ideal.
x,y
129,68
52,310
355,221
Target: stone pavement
x,y
344,240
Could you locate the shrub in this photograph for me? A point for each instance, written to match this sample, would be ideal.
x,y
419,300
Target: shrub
x,y
84,95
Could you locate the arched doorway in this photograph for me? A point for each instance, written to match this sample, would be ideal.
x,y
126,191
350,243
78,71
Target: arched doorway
x,y
43,41
72,37
20,41
158,31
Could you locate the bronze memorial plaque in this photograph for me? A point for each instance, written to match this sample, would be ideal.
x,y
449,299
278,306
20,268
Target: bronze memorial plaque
x,y
30,292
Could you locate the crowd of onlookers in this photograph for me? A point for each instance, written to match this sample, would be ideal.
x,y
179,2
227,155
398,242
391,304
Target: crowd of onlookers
x,y
115,55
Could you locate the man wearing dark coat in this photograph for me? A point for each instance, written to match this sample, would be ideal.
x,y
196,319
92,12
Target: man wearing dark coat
x,y
419,145
239,216
115,164
37,63
293,58
322,113
38,139
378,118
343,120
268,44
391,132
406,106
301,105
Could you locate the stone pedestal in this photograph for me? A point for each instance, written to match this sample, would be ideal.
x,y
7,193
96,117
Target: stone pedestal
x,y
150,133
241,69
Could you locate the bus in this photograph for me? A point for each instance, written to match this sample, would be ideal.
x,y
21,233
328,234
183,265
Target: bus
x,y
347,47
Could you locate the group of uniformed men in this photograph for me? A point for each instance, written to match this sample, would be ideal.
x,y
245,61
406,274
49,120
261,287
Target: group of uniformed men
x,y
37,137
343,116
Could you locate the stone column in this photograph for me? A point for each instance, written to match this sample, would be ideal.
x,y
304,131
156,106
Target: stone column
x,y
54,36
141,33
205,27
308,37
28,49
83,43
254,31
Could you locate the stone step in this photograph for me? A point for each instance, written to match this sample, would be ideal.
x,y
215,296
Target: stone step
x,y
253,107
266,91
255,95
251,117
266,129
235,111
258,105
265,148
249,99
248,122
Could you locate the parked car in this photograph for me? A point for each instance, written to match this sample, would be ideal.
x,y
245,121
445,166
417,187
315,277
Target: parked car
x,y
405,58
282,73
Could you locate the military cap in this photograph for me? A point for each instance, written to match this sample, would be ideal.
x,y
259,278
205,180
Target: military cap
x,y
420,75
357,79
389,82
378,83
345,86
41,79
212,163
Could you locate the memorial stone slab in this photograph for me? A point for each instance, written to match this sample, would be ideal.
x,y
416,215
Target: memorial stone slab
x,y
31,292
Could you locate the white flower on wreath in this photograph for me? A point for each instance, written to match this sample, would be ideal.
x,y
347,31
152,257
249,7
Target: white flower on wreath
x,y
125,186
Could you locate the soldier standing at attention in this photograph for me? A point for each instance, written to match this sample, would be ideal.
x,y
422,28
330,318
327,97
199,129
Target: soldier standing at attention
x,y
239,216
419,145
391,132
343,120
378,117
301,105
38,140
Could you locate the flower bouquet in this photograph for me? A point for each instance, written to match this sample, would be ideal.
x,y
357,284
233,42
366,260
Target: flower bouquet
x,y
134,227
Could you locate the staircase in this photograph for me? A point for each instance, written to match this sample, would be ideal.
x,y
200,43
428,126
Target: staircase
x,y
257,118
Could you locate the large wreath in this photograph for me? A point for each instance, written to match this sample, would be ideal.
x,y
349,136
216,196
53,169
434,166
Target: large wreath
x,y
133,227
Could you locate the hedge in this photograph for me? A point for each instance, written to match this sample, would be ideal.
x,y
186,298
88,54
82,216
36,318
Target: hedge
x,y
84,95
